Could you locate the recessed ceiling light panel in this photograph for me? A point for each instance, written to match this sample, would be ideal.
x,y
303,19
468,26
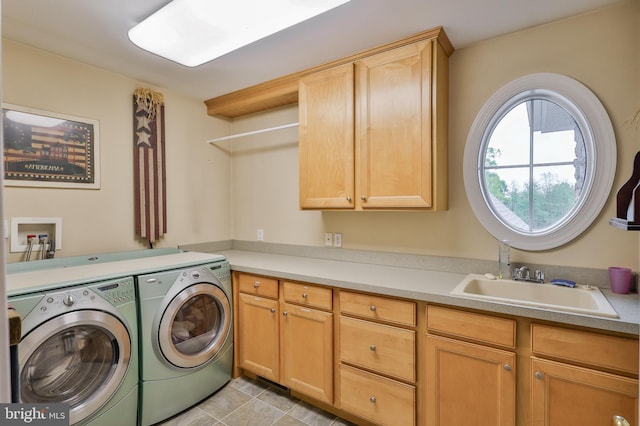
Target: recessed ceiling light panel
x,y
192,32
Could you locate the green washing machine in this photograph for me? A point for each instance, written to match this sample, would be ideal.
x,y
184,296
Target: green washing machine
x,y
79,344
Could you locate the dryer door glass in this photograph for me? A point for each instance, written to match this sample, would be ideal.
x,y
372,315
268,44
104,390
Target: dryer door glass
x,y
195,326
74,361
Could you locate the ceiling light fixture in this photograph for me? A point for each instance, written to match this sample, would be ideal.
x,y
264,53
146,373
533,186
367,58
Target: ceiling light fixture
x,y
192,32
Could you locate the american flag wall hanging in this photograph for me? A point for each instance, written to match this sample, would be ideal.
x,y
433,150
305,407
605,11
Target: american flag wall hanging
x,y
149,165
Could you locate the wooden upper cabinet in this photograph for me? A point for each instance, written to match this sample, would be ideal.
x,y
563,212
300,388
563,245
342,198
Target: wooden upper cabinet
x,y
394,128
326,147
376,137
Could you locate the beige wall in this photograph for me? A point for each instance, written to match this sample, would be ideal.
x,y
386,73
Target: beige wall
x,y
231,189
97,221
599,49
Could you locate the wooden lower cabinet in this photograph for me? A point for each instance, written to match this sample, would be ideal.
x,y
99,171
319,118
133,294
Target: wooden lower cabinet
x,y
307,351
380,359
562,394
287,343
258,342
376,398
469,384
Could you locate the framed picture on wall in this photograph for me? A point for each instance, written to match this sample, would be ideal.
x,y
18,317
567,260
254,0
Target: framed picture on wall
x,y
48,149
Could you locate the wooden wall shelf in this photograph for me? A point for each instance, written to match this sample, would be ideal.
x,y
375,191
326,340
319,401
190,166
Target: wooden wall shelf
x,y
283,91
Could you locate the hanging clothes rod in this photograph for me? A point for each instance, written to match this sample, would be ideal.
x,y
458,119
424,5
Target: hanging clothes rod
x,y
254,132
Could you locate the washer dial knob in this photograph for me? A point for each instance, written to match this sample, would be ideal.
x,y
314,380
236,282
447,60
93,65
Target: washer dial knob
x,y
69,300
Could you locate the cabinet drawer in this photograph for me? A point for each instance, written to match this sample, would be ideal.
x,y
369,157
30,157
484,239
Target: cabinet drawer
x,y
380,308
382,348
473,326
598,350
380,400
308,295
260,286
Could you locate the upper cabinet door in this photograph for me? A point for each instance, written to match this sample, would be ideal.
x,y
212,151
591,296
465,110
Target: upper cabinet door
x,y
373,133
326,147
393,128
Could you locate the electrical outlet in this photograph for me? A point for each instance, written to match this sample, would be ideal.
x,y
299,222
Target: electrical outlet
x,y
260,234
337,239
328,239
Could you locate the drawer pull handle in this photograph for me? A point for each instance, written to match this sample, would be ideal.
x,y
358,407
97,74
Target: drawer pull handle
x,y
538,375
348,198
256,284
285,313
373,399
304,295
619,421
373,348
273,310
506,367
372,308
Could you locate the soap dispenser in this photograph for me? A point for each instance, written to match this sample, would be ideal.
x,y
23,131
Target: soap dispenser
x,y
504,262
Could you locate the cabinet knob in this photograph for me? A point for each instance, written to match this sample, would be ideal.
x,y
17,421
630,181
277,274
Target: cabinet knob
x,y
348,198
363,198
256,284
304,295
619,421
372,308
273,310
285,313
372,399
506,367
373,348
538,375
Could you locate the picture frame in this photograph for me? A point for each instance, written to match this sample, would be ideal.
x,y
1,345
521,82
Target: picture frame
x,y
48,149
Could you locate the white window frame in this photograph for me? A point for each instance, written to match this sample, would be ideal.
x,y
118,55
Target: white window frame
x,y
600,144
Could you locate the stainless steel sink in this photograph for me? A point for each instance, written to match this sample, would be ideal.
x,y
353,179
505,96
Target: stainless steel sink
x,y
581,299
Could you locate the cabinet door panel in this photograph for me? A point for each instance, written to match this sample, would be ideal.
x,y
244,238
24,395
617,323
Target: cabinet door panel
x,y
258,331
307,351
562,394
326,146
469,384
394,128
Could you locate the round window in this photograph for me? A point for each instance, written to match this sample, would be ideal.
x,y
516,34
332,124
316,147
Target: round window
x,y
539,161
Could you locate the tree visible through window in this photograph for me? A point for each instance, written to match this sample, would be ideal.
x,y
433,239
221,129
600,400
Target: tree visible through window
x,y
534,165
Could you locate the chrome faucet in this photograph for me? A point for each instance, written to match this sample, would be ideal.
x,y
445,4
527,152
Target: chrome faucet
x,y
524,274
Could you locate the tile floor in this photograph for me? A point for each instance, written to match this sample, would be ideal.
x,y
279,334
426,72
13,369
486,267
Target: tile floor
x,y
253,403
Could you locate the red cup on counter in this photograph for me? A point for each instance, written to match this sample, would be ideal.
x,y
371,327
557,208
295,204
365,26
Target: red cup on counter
x,y
620,279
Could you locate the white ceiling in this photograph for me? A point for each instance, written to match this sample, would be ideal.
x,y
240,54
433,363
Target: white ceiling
x,y
95,32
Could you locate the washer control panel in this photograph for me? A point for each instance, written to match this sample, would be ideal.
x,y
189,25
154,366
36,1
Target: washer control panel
x,y
103,295
117,292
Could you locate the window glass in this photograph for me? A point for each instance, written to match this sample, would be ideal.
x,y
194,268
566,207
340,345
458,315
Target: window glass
x,y
531,171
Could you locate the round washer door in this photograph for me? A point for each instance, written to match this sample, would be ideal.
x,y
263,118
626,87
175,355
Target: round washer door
x,y
195,325
78,358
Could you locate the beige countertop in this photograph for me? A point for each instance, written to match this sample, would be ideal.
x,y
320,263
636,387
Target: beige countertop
x,y
419,284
